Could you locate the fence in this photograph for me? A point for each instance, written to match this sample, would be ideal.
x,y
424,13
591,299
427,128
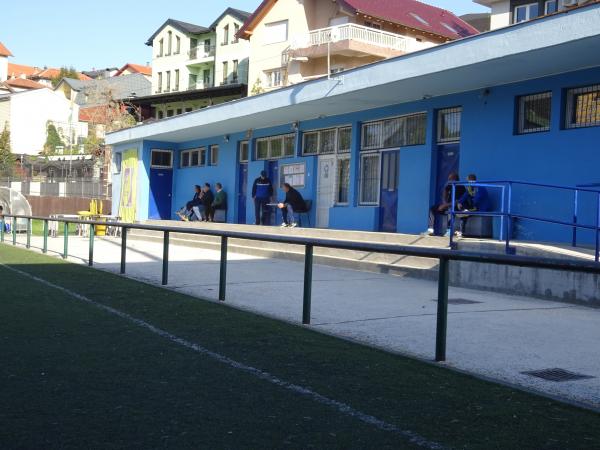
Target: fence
x,y
443,255
60,187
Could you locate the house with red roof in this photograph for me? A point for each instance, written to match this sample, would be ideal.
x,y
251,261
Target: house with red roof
x,y
295,41
4,55
130,68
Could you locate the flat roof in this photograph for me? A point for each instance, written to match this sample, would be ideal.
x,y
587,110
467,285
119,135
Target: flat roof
x,y
548,46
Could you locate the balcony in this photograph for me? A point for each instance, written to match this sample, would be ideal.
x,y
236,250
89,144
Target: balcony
x,y
201,54
200,85
353,40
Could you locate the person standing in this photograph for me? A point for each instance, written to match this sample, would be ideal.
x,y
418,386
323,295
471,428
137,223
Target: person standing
x,y
262,191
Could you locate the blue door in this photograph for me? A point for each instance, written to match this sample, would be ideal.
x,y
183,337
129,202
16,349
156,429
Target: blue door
x,y
161,185
273,172
448,161
242,192
390,172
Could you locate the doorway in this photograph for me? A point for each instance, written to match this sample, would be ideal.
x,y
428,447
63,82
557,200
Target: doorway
x,y
325,189
388,210
161,185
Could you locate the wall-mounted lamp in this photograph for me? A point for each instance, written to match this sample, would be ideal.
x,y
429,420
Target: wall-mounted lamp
x,y
249,133
226,138
295,126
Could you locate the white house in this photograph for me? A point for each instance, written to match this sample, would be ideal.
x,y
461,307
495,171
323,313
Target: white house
x,y
28,114
4,55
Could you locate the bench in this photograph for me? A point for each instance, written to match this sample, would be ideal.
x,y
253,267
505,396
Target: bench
x,y
305,212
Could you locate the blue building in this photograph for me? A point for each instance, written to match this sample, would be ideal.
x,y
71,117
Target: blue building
x,y
372,149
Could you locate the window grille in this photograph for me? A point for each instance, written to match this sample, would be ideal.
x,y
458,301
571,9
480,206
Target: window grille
x,y
583,107
535,113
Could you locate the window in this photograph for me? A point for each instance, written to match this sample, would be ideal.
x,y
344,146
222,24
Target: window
x,y
161,46
236,64
190,158
160,80
170,113
206,78
526,12
275,147
225,71
328,141
179,111
583,107
552,6
225,35
176,88
534,112
342,191
273,78
244,151
276,32
177,45
236,29
168,88
369,179
117,159
214,155
420,19
161,115
170,43
449,125
375,25
398,132
162,159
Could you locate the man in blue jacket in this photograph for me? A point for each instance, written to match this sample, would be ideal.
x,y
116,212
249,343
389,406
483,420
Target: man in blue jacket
x,y
262,191
475,198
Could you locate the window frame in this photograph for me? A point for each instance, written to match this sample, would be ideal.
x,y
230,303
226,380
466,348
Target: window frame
x,y
199,153
387,122
440,113
225,35
161,166
241,144
521,116
336,145
570,106
268,33
269,140
528,7
363,156
117,163
342,157
274,81
214,150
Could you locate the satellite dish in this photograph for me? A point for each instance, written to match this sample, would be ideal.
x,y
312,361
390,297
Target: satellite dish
x,y
15,203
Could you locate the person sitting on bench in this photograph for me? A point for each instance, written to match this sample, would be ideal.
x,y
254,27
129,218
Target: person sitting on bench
x,y
220,201
204,211
187,213
293,203
475,198
442,208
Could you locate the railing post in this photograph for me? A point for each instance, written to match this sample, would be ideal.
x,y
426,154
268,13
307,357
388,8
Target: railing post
x,y
223,269
28,245
597,257
66,239
165,266
452,215
442,310
91,250
575,214
509,222
123,249
14,231
308,272
45,245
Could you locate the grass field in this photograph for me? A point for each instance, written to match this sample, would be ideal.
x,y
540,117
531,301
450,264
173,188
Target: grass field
x,y
144,367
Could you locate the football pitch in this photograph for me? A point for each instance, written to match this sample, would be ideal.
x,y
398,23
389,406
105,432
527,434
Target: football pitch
x,y
90,359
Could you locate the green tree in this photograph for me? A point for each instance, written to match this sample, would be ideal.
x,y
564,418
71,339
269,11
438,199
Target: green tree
x,y
53,140
7,159
257,87
65,72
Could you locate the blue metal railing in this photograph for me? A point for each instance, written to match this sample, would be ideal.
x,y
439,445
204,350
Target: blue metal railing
x,y
507,216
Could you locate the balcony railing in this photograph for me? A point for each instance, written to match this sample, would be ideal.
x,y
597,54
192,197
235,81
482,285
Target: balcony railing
x,y
201,52
200,85
352,32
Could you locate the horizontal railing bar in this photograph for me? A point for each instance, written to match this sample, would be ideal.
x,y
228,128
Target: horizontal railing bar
x,y
424,252
524,183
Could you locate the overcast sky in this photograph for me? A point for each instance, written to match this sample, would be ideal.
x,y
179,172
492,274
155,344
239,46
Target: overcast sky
x,y
110,33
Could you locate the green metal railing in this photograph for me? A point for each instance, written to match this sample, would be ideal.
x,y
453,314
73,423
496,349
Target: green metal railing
x,y
445,256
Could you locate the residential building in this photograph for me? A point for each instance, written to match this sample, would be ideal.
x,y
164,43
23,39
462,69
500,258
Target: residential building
x,y
20,84
373,153
97,74
195,66
4,55
507,12
29,113
21,71
293,41
130,69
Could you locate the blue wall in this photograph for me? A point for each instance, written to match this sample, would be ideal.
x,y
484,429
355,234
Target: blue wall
x,y
489,147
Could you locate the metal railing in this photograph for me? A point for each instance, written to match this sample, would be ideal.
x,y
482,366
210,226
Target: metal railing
x,y
201,52
443,255
508,216
352,32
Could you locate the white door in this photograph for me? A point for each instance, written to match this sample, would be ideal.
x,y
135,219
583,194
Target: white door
x,y
325,189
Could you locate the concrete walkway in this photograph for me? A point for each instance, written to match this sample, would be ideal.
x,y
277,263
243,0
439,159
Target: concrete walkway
x,y
498,337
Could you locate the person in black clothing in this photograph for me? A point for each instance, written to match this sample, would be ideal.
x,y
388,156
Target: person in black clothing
x,y
293,203
187,213
442,208
262,191
207,201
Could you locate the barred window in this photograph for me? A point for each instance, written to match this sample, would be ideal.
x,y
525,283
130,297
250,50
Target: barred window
x,y
392,133
244,153
190,158
343,181
583,107
369,179
535,112
326,142
275,147
449,125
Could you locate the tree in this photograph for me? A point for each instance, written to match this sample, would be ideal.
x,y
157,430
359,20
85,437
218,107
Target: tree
x,y
7,159
53,139
65,72
257,87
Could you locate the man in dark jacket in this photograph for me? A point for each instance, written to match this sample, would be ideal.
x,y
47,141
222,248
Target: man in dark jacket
x,y
188,212
293,203
262,191
475,198
442,208
207,201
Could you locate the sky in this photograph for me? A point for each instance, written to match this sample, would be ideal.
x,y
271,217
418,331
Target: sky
x,y
112,33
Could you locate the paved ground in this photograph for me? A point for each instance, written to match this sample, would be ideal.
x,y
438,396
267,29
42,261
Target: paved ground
x,y
500,337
